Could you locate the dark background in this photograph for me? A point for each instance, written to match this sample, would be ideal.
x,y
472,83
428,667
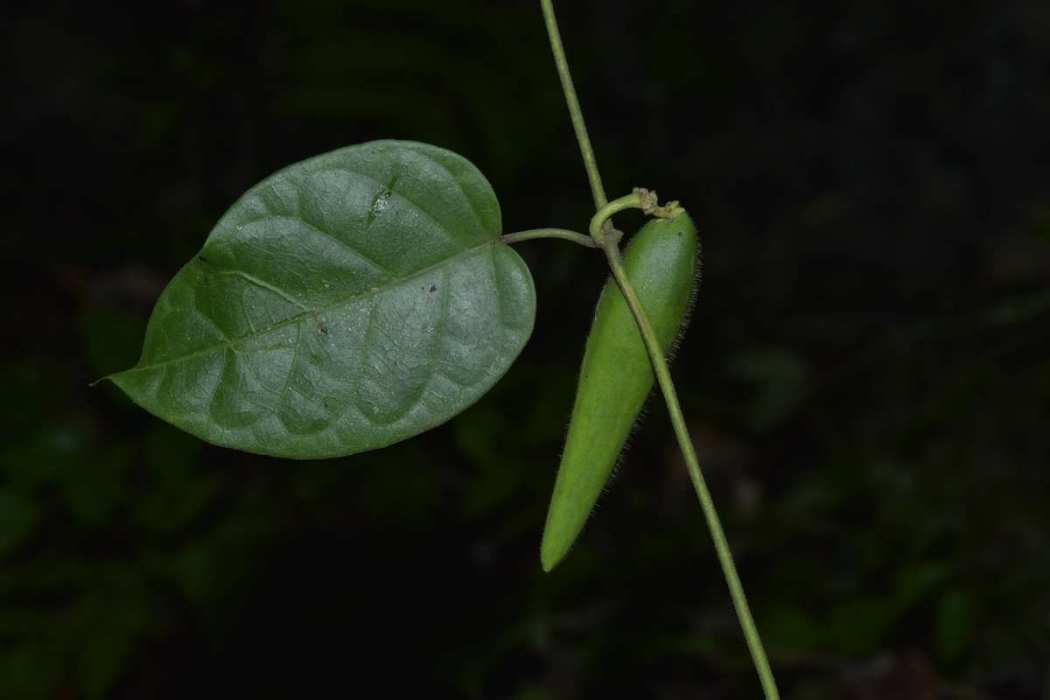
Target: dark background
x,y
866,374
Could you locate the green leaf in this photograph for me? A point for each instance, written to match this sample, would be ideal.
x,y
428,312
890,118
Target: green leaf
x,y
345,303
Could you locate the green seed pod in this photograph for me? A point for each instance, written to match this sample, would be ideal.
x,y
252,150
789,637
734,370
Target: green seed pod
x,y
616,377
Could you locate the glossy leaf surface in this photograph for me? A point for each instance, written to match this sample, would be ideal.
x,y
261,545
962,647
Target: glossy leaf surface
x,y
345,303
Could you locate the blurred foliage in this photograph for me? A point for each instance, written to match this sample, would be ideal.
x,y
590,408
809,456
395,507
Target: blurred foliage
x,y
867,372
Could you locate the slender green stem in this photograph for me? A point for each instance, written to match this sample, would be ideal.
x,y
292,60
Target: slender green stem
x,y
608,239
639,199
575,113
725,557
598,226
564,234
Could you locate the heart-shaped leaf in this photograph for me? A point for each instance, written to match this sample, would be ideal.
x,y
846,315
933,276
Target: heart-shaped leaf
x,y
345,303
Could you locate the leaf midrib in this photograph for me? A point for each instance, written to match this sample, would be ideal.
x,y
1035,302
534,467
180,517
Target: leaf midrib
x,y
228,344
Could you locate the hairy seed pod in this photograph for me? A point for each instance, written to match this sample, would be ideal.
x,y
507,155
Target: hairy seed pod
x,y
616,377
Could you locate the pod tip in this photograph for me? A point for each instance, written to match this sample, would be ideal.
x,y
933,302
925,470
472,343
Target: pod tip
x,y
550,555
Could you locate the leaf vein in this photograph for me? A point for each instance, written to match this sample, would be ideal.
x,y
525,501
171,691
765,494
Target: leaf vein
x,y
299,318
261,284
459,185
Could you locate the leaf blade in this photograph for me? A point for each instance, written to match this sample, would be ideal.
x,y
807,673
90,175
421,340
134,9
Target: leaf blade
x,y
343,304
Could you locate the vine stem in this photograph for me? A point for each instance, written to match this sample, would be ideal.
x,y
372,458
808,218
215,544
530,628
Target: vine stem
x,y
575,113
564,234
608,239
725,557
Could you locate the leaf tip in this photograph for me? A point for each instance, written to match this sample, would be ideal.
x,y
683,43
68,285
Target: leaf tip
x,y
96,382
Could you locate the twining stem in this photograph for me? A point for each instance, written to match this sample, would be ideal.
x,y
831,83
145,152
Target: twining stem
x,y
564,234
599,222
725,557
575,113
639,199
608,239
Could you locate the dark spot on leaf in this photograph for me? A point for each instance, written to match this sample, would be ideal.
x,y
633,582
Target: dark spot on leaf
x,y
433,288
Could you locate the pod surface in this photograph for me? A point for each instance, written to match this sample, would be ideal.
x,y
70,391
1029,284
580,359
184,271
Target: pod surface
x,y
616,376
